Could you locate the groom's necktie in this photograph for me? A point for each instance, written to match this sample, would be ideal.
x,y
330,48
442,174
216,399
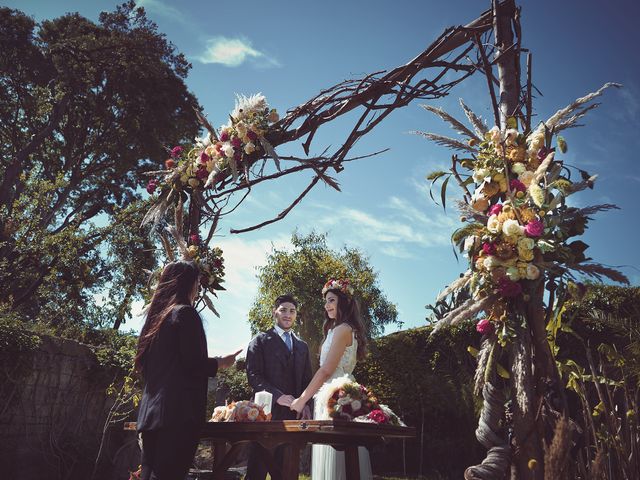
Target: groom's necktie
x,y
287,340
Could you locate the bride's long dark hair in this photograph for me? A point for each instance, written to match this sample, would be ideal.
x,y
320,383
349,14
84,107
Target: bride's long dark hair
x,y
347,311
177,282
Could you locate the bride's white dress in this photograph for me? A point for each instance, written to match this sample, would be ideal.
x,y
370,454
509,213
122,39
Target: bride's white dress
x,y
326,462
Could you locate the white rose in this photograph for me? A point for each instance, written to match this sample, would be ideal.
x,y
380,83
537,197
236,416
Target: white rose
x,y
513,274
249,148
510,137
241,128
480,174
526,178
344,400
518,168
526,243
495,136
491,262
356,405
493,224
512,228
228,150
532,272
194,182
536,141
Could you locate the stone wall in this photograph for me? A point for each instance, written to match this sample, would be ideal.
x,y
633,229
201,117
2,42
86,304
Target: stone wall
x,y
53,406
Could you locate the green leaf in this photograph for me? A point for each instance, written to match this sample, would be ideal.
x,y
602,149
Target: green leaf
x,y
562,144
443,192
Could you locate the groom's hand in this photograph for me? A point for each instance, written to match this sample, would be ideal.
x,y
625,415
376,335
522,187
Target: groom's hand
x,y
285,400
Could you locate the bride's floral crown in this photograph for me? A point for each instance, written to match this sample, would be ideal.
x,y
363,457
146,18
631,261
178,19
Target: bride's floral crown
x,y
341,284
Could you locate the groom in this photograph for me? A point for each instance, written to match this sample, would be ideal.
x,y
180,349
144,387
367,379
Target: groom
x,y
278,362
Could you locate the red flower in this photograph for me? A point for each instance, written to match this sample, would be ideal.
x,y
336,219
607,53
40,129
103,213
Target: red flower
x,y
194,238
202,173
251,135
543,152
224,136
378,416
484,326
235,141
204,158
517,186
176,152
489,248
534,228
509,288
495,209
170,163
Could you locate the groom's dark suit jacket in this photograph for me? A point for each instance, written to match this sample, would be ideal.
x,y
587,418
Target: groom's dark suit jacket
x,y
271,367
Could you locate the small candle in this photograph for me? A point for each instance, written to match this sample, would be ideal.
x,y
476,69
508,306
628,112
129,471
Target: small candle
x,y
263,399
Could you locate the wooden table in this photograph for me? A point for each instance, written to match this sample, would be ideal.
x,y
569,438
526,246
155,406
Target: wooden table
x,y
229,438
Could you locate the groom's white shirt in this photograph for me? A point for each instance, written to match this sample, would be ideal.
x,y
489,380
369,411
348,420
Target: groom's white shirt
x,y
281,332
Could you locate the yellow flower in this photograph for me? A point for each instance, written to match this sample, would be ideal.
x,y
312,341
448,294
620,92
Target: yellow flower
x,y
524,254
192,250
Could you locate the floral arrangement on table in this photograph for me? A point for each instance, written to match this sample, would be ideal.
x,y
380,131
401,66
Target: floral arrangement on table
x,y
346,399
242,411
517,221
219,153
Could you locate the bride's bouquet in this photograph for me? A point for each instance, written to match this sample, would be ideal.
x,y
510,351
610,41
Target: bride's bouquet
x,y
345,399
242,411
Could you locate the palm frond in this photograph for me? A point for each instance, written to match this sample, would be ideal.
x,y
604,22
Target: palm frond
x,y
455,124
455,286
563,113
571,121
478,125
598,208
452,143
599,272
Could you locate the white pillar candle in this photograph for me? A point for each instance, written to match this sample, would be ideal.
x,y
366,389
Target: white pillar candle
x,y
263,399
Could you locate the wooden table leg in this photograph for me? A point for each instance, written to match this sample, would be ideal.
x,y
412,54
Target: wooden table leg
x,y
291,467
351,461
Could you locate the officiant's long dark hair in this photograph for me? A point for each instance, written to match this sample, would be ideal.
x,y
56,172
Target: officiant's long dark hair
x,y
175,287
348,312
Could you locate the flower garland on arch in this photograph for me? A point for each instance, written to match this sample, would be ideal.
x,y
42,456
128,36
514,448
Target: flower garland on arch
x,y
518,225
191,169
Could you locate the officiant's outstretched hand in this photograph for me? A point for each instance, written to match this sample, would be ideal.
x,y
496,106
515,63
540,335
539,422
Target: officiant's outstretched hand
x,y
172,357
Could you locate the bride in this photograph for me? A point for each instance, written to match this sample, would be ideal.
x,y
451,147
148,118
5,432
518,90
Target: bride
x,y
344,344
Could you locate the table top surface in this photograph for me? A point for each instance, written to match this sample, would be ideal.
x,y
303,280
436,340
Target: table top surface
x,y
337,427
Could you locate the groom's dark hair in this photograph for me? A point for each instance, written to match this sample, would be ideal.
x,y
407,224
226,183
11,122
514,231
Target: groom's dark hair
x,y
284,299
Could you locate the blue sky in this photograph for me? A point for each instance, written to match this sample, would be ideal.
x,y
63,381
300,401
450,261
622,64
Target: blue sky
x,y
290,50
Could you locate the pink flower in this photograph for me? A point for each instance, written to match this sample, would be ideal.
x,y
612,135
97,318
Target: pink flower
x,y
484,326
489,248
194,238
224,136
543,152
517,186
176,152
509,288
204,158
495,209
378,416
534,228
152,185
235,141
251,135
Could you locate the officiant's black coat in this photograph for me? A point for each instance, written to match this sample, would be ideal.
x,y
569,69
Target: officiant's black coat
x,y
175,368
272,367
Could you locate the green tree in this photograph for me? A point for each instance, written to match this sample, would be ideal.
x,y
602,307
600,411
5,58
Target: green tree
x,y
84,110
303,271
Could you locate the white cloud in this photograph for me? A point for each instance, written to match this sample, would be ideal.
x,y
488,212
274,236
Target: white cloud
x,y
162,9
233,52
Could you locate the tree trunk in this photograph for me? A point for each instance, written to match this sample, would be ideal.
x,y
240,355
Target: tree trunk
x,y
506,59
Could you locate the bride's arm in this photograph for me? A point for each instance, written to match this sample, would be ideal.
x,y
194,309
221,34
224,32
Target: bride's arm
x,y
342,338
